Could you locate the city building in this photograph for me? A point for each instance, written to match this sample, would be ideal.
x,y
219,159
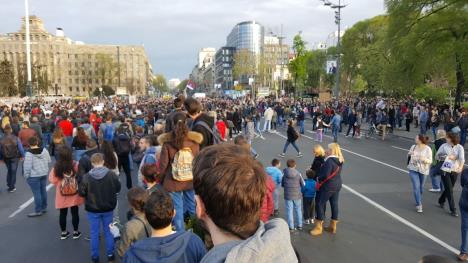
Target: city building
x,y
206,56
72,67
223,67
274,62
173,83
248,35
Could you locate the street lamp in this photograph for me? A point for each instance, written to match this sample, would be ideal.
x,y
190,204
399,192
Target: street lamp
x,y
337,8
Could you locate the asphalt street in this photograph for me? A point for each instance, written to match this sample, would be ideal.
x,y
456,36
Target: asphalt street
x,y
378,221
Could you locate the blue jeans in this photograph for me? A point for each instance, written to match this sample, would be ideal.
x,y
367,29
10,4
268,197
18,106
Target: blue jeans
x,y
301,127
276,194
77,154
38,188
184,202
463,137
12,167
464,231
418,180
435,178
46,138
253,152
286,145
423,128
294,213
257,128
321,202
267,126
280,121
335,133
69,141
95,221
434,132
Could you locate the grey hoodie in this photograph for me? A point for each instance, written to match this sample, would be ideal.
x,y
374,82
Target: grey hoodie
x,y
36,163
271,243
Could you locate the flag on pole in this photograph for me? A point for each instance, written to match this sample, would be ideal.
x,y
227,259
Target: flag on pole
x,y
190,85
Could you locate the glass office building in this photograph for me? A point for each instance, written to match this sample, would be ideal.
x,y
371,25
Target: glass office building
x,y
247,35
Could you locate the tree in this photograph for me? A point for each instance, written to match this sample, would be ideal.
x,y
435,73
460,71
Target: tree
x,y
42,78
106,91
7,79
430,40
107,69
245,64
182,85
160,83
298,66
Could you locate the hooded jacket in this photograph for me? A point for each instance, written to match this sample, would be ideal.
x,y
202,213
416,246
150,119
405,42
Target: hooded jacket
x,y
268,204
84,165
330,165
180,247
292,183
36,163
270,244
193,141
99,187
207,135
464,195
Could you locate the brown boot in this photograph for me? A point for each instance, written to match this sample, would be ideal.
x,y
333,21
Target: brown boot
x,y
318,229
332,227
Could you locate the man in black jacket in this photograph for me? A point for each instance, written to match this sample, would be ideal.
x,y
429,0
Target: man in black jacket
x,y
178,103
201,122
99,187
84,165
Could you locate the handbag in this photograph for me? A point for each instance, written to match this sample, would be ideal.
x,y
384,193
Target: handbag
x,y
409,154
318,185
448,165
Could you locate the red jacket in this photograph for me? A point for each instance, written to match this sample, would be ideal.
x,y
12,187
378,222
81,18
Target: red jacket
x,y
268,203
67,128
221,128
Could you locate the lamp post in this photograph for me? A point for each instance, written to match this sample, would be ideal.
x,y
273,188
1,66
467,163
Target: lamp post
x,y
337,8
28,50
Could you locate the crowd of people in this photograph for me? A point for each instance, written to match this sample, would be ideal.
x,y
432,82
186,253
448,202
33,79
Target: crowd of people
x,y
190,175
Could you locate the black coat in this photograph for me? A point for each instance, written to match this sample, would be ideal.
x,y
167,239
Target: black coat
x,y
292,134
464,195
330,166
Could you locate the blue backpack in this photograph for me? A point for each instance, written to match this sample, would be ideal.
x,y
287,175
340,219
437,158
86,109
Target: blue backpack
x,y
109,132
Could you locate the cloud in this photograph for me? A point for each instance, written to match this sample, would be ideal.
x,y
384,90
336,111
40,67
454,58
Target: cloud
x,y
173,31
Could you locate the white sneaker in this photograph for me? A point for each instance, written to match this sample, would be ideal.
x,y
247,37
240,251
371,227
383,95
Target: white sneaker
x,y
419,209
432,190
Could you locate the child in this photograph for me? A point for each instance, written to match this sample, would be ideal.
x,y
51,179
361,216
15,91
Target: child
x,y
320,125
292,182
275,173
308,192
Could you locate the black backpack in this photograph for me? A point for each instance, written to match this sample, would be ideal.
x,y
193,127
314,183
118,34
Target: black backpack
x,y
122,144
10,147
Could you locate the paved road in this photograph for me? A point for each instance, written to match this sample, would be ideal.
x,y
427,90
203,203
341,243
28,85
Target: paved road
x,y
378,222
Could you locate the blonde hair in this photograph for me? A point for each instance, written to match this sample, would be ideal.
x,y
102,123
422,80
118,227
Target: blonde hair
x,y
441,134
336,151
318,150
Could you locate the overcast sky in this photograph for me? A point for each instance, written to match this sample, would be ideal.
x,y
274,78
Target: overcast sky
x,y
173,31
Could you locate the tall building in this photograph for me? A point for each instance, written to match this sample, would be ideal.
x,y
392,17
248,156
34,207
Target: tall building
x,y
223,69
275,61
206,56
247,35
72,67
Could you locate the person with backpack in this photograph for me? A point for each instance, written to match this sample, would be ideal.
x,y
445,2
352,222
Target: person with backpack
x,y
64,176
147,146
11,150
202,123
47,126
25,134
35,170
99,187
106,130
84,165
123,147
179,147
293,136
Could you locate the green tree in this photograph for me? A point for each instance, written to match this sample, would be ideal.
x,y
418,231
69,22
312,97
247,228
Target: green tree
x,y
298,66
245,64
107,69
106,91
160,83
429,40
7,79
182,85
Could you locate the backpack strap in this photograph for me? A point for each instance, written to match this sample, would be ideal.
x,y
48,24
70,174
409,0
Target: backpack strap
x,y
144,226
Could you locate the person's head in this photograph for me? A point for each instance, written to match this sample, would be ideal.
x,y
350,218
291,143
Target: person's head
x,y
137,198
33,141
34,119
434,259
311,174
150,173
242,142
276,163
159,209
290,122
139,130
97,160
291,163
7,129
179,102
441,134
453,138
319,151
229,190
193,107
145,143
25,124
180,129
334,149
107,149
81,135
64,165
91,144
421,139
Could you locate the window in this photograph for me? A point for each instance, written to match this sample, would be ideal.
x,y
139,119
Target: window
x,y
90,81
82,64
84,89
59,80
69,72
90,72
70,88
77,81
97,64
83,72
76,57
76,72
77,89
83,81
89,56
76,64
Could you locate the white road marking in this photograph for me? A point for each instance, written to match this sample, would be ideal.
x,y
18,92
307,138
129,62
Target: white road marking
x,y
403,149
402,220
385,210
27,203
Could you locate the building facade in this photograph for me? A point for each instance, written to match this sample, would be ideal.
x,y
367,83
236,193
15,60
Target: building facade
x,y
72,67
223,67
248,35
275,60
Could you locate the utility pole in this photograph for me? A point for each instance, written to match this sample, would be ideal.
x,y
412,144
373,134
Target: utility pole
x,y
281,38
118,64
28,50
337,8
